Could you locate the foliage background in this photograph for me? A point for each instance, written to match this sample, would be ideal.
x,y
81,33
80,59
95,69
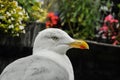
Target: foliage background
x,y
36,10
80,17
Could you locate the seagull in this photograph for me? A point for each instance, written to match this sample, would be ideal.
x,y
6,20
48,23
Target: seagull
x,y
48,61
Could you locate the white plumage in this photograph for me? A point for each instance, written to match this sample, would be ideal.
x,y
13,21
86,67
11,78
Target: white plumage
x,y
49,60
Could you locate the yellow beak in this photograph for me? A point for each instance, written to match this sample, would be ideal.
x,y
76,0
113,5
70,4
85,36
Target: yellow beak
x,y
79,44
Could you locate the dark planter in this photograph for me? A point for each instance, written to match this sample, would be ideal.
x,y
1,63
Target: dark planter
x,y
24,40
32,30
101,62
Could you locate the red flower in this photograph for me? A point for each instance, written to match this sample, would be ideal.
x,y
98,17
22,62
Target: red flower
x,y
51,14
53,20
48,24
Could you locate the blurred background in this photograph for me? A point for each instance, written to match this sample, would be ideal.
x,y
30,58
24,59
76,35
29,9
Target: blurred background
x,y
96,21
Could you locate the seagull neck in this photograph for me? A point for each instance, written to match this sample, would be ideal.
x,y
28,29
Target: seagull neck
x,y
52,55
40,50
61,59
45,52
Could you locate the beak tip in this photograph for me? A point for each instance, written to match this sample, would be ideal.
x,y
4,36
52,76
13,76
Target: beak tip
x,y
80,44
88,48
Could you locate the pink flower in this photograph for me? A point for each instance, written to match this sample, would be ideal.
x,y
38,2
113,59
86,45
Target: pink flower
x,y
114,21
115,42
108,18
104,28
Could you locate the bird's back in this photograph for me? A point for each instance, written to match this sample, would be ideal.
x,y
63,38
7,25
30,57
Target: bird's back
x,y
34,68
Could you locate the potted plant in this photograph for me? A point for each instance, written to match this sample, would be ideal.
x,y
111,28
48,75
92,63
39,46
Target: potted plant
x,y
17,16
12,20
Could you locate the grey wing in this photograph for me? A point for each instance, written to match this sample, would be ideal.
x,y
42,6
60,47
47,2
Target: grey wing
x,y
36,69
15,70
45,69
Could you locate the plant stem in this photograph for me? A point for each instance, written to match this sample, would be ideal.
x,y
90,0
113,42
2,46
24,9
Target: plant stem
x,y
70,27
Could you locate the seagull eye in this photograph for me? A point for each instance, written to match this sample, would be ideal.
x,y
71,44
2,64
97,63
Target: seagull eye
x,y
54,38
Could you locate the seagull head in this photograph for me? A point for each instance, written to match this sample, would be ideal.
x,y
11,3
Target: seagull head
x,y
56,40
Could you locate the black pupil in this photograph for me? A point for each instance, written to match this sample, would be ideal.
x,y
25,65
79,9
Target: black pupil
x,y
54,38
